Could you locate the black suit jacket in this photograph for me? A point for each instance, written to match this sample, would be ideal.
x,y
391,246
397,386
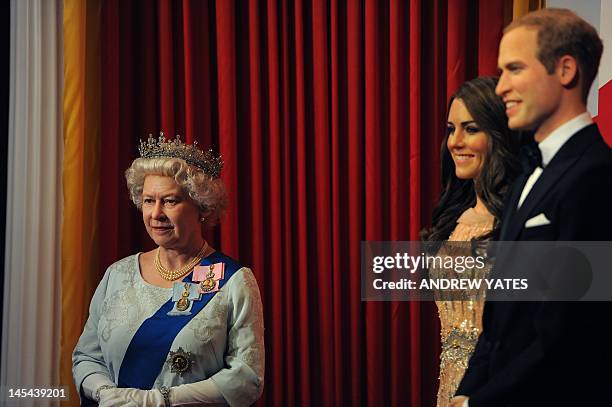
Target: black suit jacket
x,y
551,353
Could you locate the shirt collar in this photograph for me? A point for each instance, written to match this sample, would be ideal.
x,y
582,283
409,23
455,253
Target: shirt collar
x,y
555,140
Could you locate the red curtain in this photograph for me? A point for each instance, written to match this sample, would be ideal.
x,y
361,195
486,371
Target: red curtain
x,y
329,116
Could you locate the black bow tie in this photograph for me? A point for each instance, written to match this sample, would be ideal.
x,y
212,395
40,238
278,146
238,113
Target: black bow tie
x,y
531,157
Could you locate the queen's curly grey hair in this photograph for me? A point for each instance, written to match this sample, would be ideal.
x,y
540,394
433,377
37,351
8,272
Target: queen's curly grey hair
x,y
207,192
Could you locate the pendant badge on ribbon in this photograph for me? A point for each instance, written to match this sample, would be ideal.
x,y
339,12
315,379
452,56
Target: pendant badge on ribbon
x,y
183,296
208,277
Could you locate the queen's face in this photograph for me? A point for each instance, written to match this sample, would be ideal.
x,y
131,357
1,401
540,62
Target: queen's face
x,y
466,142
172,219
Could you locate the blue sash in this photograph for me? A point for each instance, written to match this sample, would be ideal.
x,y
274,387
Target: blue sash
x,y
148,350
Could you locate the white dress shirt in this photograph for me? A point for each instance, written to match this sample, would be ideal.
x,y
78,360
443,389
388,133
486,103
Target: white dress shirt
x,y
552,144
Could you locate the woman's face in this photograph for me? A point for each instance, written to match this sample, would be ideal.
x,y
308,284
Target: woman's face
x,y
466,142
172,219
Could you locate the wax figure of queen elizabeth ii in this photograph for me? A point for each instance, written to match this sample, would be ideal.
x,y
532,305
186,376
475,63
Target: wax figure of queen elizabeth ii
x,y
183,323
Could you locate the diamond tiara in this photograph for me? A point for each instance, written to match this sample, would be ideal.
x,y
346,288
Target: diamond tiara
x,y
205,160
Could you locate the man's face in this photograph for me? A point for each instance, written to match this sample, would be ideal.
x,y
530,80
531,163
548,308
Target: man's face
x,y
532,95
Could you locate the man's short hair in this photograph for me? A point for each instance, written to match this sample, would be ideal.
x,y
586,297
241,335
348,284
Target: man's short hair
x,y
562,32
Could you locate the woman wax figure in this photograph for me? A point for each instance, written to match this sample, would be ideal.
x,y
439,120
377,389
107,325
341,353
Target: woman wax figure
x,y
479,160
183,323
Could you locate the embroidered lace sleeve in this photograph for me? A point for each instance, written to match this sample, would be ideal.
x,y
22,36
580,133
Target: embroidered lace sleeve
x,y
87,357
241,381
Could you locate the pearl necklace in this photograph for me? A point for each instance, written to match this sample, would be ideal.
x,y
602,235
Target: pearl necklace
x,y
172,275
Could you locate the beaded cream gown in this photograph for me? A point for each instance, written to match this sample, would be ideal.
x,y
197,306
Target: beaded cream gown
x,y
461,321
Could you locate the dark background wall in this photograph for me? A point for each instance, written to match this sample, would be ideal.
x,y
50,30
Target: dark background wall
x,y
5,34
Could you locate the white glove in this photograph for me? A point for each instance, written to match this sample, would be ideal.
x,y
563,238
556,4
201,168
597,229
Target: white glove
x,y
93,382
131,398
204,392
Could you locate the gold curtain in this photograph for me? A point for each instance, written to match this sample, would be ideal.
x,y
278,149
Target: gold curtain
x,y
80,173
522,7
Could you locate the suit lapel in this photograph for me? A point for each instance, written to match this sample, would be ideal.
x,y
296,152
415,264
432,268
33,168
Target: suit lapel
x,y
547,180
569,153
510,209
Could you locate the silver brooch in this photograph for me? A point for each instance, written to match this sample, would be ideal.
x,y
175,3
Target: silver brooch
x,y
180,361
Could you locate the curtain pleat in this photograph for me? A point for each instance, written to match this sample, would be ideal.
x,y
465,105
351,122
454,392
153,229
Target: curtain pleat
x,y
337,31
490,13
375,317
318,268
352,179
286,333
80,173
166,66
398,193
228,143
300,229
459,11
